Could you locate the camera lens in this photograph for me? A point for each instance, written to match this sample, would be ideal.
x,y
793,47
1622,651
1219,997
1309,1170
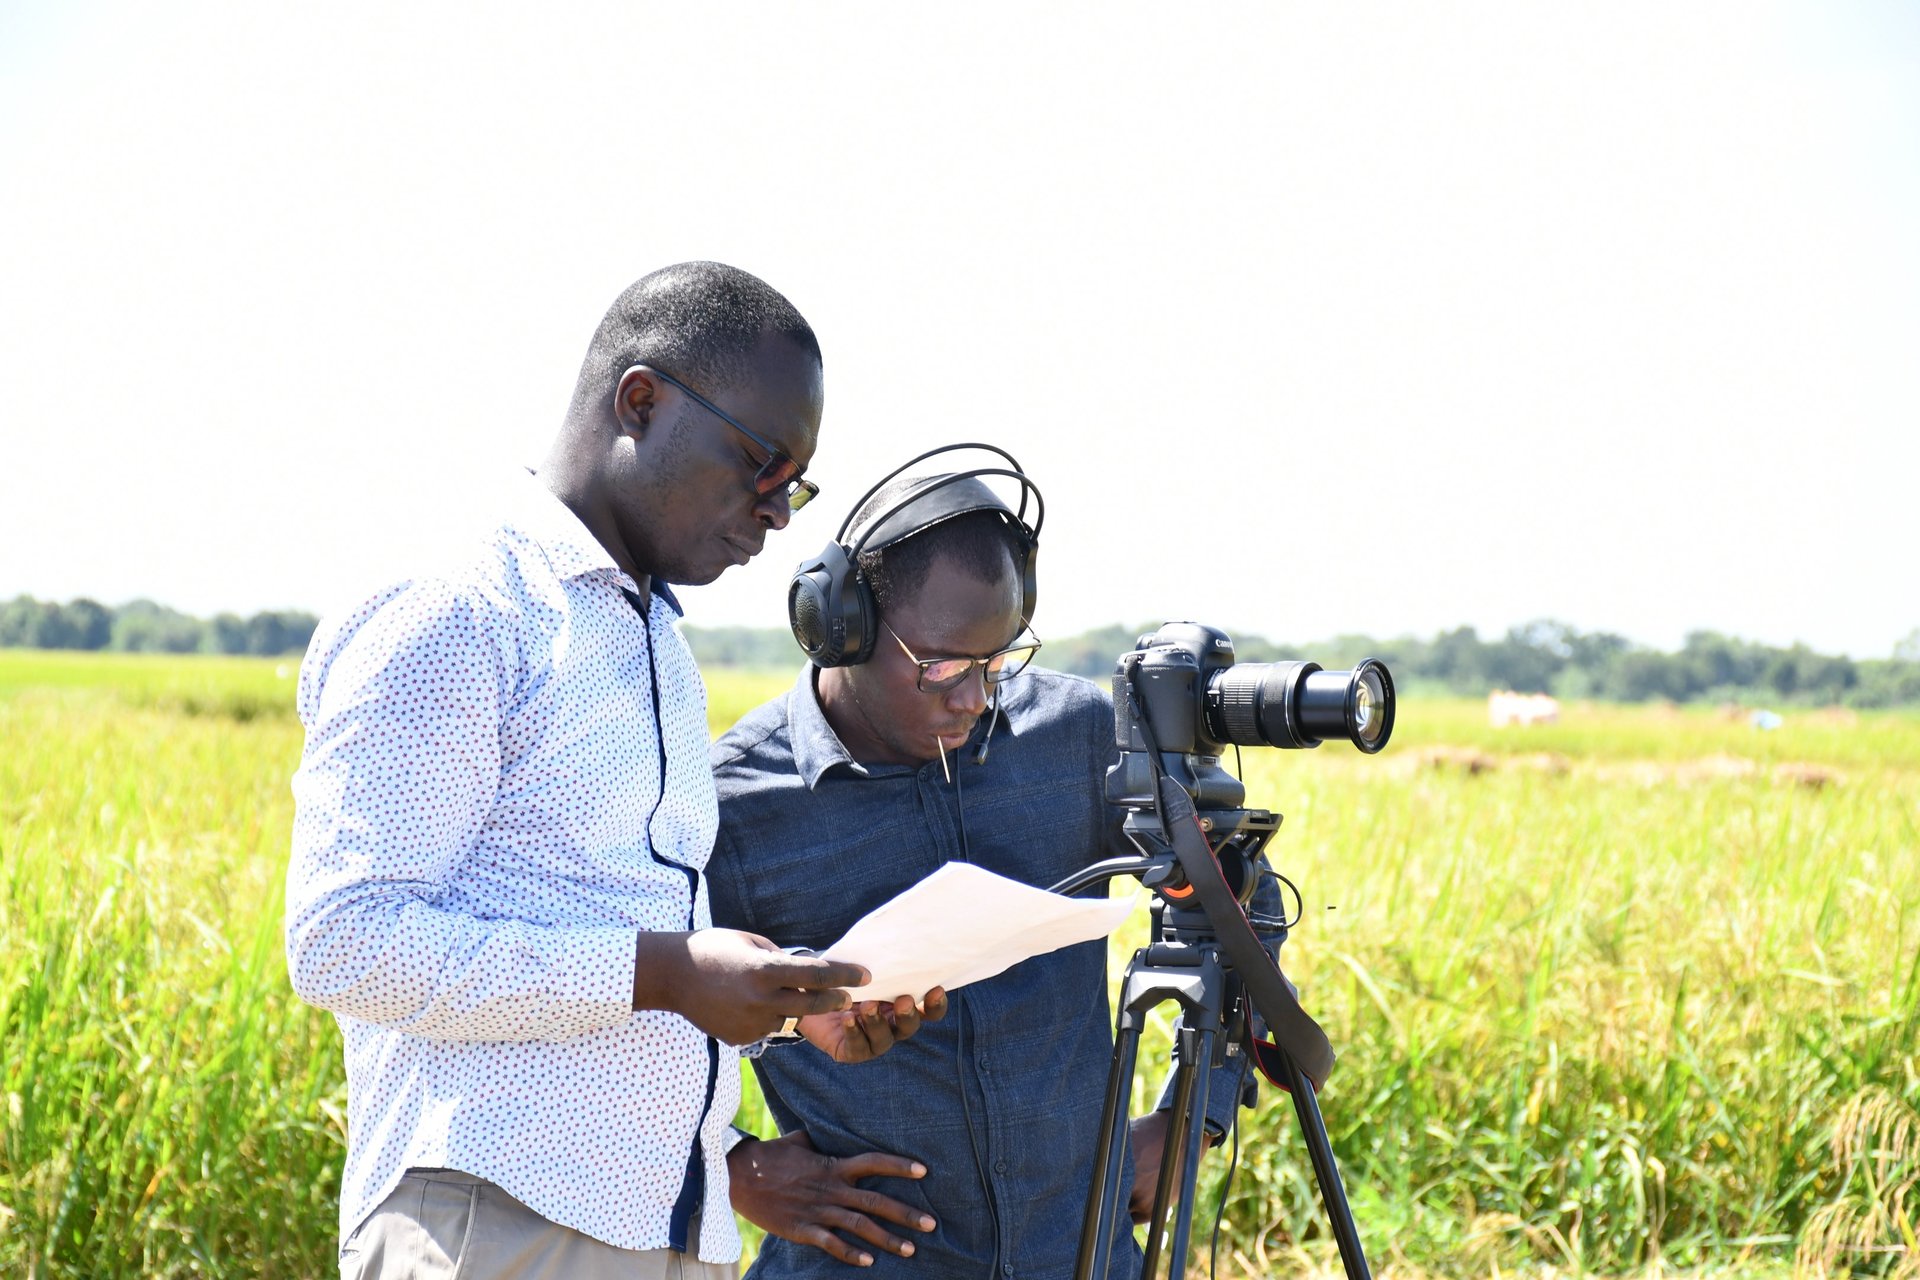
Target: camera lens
x,y
1372,709
1297,704
1356,705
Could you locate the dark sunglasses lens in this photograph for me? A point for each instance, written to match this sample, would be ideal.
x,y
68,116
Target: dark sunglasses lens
x,y
779,472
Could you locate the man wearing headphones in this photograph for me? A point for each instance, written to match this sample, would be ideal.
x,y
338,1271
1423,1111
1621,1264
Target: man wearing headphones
x,y
908,742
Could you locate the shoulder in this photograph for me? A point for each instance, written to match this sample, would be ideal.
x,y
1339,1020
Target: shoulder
x,y
1052,699
757,744
449,618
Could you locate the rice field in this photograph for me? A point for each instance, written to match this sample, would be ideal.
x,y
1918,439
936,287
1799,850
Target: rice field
x,y
1635,992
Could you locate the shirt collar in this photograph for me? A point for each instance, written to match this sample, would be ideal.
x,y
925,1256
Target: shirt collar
x,y
816,747
569,545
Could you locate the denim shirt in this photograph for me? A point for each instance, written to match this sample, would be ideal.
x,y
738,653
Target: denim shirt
x,y
1000,1100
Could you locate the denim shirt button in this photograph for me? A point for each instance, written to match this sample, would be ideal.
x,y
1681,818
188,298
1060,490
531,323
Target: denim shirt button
x,y
999,1166
1006,1268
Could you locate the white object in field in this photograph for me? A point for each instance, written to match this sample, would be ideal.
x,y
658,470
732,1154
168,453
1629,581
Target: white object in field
x,y
1505,708
962,924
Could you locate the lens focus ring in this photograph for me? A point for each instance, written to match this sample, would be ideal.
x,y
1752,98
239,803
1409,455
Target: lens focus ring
x,y
1239,702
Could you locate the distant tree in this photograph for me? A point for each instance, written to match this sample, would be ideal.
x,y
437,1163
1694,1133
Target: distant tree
x,y
141,626
1641,675
265,635
1455,657
272,634
225,633
759,648
1529,658
1596,650
1886,682
19,622
88,624
1092,653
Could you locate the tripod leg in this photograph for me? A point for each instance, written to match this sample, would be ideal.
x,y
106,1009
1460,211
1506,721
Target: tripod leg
x,y
1193,1141
1096,1232
1326,1172
1164,1189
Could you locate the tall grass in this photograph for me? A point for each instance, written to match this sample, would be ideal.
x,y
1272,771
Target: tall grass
x,y
171,1109
1638,990
1594,1016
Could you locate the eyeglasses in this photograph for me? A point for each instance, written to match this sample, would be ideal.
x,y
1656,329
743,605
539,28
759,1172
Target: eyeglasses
x,y
940,674
779,472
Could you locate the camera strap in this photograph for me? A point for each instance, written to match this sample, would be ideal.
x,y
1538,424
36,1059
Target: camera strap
x,y
1293,1029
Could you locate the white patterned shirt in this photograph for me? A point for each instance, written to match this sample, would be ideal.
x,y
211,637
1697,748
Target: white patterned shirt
x,y
505,777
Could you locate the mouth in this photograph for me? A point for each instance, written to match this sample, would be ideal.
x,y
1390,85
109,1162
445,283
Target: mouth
x,y
742,552
954,739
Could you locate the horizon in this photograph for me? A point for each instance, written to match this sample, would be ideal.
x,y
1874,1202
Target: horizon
x,y
1142,625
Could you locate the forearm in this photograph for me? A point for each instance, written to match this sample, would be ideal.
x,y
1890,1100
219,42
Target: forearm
x,y
385,955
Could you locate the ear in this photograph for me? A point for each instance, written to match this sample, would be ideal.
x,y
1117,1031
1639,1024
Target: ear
x,y
633,399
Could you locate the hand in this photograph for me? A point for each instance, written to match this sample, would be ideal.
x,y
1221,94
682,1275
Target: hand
x,y
1148,1136
787,1188
736,987
857,1035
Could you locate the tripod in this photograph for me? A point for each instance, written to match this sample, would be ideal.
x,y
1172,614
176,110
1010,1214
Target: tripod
x,y
1187,963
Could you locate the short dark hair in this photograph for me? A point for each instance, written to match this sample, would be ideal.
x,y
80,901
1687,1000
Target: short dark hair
x,y
698,321
982,544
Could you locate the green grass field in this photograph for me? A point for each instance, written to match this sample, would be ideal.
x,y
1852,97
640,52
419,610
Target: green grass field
x,y
1633,992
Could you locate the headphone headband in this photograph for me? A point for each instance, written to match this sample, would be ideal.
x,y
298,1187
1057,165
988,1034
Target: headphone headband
x,y
1020,515
830,605
872,526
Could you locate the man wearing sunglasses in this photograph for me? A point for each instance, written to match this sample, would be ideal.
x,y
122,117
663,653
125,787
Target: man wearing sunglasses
x,y
504,812
966,1151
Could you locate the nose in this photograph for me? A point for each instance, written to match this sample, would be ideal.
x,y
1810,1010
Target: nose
x,y
772,510
969,697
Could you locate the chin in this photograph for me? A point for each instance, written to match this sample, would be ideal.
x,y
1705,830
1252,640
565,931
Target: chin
x,y
693,577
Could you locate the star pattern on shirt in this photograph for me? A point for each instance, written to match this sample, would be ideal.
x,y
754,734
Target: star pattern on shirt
x,y
505,777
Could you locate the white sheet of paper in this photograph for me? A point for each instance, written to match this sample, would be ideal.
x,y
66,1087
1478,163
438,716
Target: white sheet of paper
x,y
962,924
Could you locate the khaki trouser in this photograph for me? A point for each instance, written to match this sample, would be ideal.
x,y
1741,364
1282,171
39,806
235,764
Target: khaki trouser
x,y
439,1223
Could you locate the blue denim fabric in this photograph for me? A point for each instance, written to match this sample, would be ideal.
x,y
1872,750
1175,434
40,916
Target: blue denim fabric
x,y
1001,1100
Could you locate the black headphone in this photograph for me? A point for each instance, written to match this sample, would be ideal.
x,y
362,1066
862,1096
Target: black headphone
x,y
830,604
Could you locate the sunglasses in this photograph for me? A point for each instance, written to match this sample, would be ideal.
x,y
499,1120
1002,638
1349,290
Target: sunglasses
x,y
779,472
940,674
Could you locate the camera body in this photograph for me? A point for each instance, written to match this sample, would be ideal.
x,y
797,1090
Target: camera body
x,y
1198,703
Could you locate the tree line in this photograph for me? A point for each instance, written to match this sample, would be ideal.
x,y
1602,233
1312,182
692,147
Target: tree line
x,y
141,626
1544,656
1540,657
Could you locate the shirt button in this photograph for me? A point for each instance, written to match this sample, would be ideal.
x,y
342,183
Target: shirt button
x,y
986,1063
1006,1268
1000,1166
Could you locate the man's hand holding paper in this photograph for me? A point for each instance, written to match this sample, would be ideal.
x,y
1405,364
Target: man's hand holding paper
x,y
962,924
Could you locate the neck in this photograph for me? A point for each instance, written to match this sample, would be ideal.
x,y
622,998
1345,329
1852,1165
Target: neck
x,y
850,722
575,484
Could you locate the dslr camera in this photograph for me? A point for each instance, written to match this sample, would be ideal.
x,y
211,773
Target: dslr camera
x,y
1198,703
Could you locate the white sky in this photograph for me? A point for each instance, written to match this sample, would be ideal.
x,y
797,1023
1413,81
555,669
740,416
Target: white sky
x,y
1307,318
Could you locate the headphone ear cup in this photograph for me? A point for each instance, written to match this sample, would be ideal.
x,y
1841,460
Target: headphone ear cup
x,y
830,610
1030,579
